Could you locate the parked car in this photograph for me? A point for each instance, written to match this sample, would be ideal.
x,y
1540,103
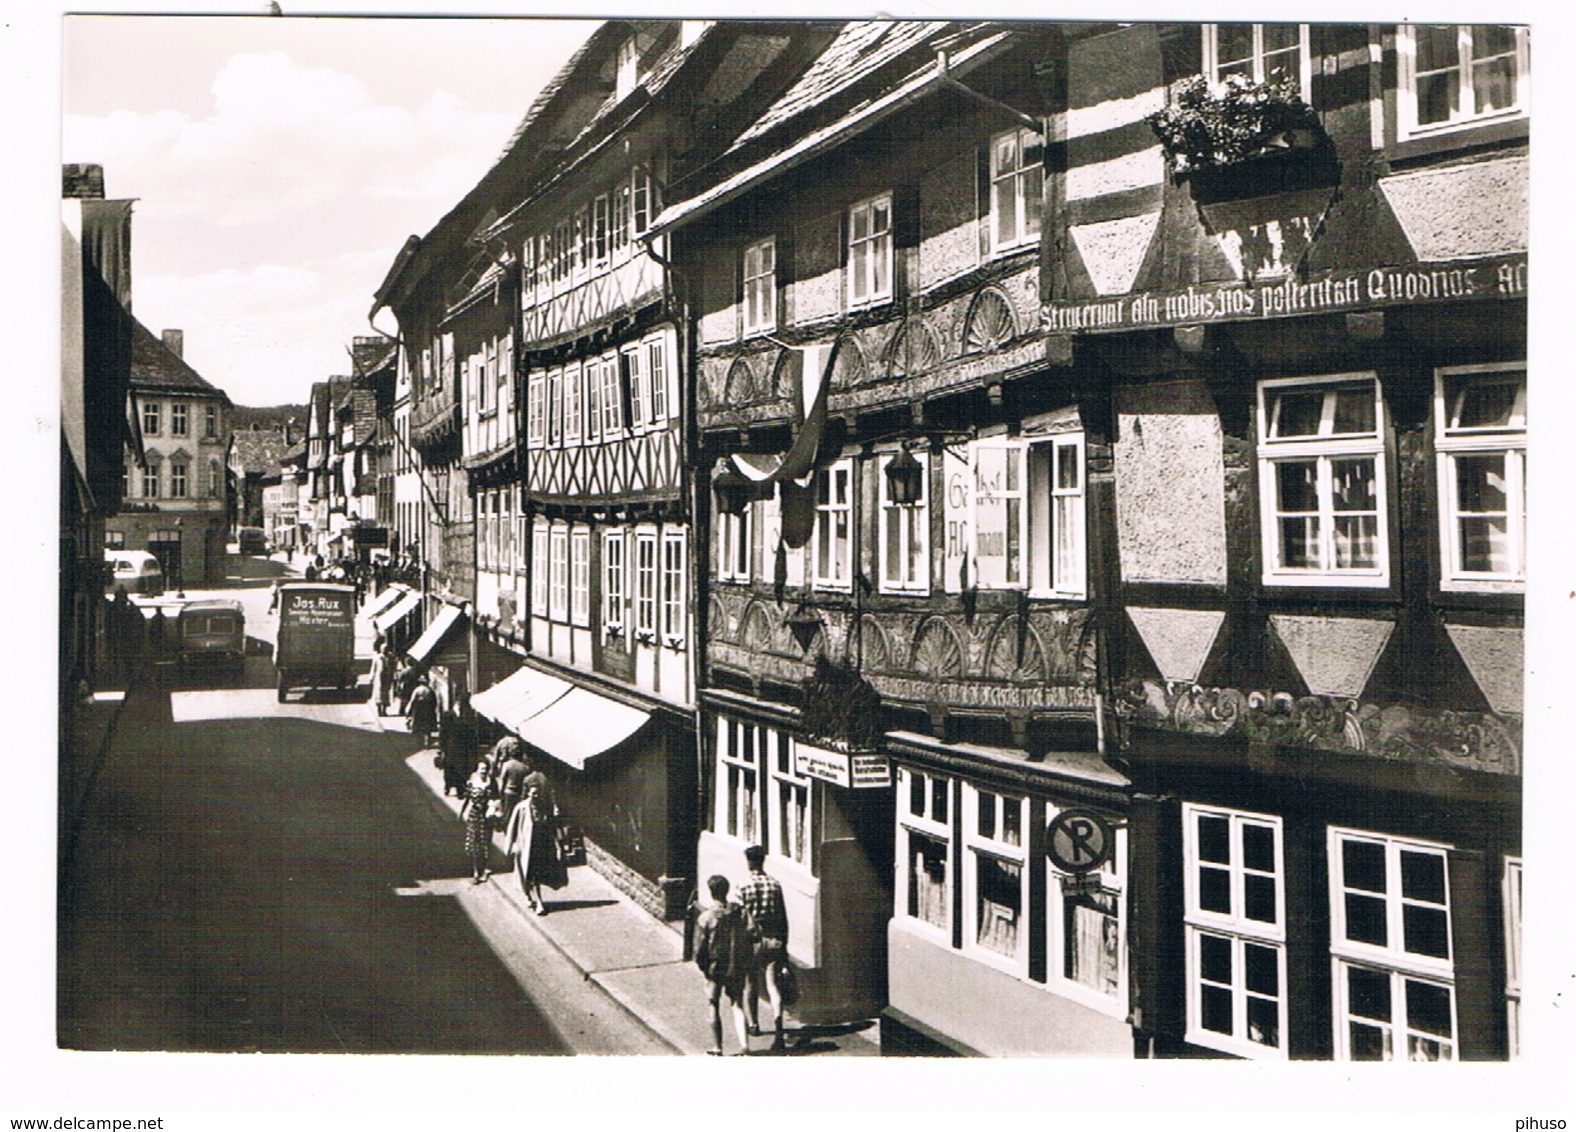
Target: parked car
x,y
251,540
212,632
135,571
317,637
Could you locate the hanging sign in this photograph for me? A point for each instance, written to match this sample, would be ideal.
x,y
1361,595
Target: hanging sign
x,y
1080,841
842,768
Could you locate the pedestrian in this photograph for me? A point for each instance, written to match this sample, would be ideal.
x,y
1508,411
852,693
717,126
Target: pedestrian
x,y
382,676
510,774
533,842
273,597
404,682
762,897
311,572
156,633
478,836
724,952
422,711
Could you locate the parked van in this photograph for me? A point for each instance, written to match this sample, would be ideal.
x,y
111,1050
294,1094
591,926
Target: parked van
x,y
212,632
251,540
317,637
135,571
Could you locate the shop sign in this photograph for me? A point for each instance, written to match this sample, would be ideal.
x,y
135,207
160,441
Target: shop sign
x,y
1346,289
842,768
1080,841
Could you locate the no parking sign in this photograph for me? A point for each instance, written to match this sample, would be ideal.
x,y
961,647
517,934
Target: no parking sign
x,y
1080,841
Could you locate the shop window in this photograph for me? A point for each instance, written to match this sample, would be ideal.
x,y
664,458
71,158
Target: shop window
x,y
646,586
870,251
1088,922
1513,952
1481,436
1017,178
924,837
834,526
789,814
673,589
1457,75
1235,931
613,581
740,753
760,287
1390,939
1322,482
1259,52
994,876
580,577
905,531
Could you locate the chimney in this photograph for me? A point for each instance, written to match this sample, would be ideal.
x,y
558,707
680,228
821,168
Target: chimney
x,y
365,352
174,341
82,182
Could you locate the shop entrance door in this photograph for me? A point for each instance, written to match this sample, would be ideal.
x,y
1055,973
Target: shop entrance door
x,y
165,545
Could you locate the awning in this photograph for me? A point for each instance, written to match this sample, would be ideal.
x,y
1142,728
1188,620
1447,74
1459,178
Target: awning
x,y
402,608
582,725
448,617
516,699
387,597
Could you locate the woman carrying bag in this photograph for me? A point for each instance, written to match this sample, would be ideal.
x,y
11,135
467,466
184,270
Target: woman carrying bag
x,y
533,840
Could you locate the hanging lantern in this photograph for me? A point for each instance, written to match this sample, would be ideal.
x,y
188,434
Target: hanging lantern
x,y
732,490
905,477
804,623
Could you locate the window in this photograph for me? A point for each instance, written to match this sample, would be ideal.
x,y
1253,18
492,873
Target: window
x,y
994,875
999,514
612,398
1390,929
1261,52
740,747
1056,517
789,809
210,426
870,250
646,585
634,373
760,287
585,239
150,418
600,224
924,840
833,524
536,408
1235,927
180,419
555,407
905,533
645,203
1017,175
734,543
580,578
214,482
620,220
1322,482
1481,436
657,380
115,540
1455,75
505,523
539,570
673,589
558,574
1088,929
613,581
178,479
483,378
574,400
150,481
1513,952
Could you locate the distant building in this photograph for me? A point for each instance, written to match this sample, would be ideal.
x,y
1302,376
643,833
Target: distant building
x,y
253,458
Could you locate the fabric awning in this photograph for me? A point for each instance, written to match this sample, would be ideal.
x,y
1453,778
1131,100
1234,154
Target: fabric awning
x,y
445,622
406,605
581,725
386,598
516,699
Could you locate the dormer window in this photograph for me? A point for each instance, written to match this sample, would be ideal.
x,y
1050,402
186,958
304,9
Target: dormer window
x,y
628,68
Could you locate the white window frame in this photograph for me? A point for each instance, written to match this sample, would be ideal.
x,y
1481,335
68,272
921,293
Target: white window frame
x,y
908,524
150,480
758,274
672,595
152,411
1057,543
839,554
1234,927
929,825
555,407
870,257
481,533
1112,877
1452,443
539,569
1407,125
506,532
1023,181
978,847
740,774
210,421
574,403
1323,448
633,363
580,577
1212,62
1392,959
536,408
1512,905
613,582
558,573
180,419
789,793
646,580
180,480
658,400
734,544
1014,503
612,398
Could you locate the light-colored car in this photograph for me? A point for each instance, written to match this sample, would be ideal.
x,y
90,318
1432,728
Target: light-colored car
x,y
135,571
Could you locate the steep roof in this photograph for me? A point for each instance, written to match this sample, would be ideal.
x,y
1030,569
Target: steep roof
x,y
257,450
154,366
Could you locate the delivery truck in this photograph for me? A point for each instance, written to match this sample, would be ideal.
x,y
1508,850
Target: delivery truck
x,y
316,646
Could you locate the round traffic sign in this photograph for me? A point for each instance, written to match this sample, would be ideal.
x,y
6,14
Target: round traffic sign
x,y
1080,841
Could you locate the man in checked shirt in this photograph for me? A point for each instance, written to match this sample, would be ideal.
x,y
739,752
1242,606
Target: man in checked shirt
x,y
762,898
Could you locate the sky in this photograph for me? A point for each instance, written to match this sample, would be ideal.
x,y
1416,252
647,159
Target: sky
x,y
280,163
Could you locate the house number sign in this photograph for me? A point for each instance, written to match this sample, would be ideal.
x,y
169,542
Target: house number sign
x,y
1080,841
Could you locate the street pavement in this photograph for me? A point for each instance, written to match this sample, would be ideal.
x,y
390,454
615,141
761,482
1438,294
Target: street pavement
x,y
239,874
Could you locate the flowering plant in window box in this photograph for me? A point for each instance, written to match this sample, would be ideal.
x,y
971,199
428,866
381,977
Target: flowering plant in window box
x,y
1244,138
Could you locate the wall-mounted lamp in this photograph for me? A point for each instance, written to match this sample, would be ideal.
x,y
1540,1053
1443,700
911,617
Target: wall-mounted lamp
x,y
905,478
804,623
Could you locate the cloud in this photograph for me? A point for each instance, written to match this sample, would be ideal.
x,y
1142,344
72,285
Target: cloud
x,y
281,140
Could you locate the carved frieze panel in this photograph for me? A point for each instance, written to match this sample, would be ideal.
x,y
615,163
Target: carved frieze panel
x,y
1473,740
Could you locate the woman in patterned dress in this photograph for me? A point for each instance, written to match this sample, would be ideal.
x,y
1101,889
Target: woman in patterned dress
x,y
478,839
